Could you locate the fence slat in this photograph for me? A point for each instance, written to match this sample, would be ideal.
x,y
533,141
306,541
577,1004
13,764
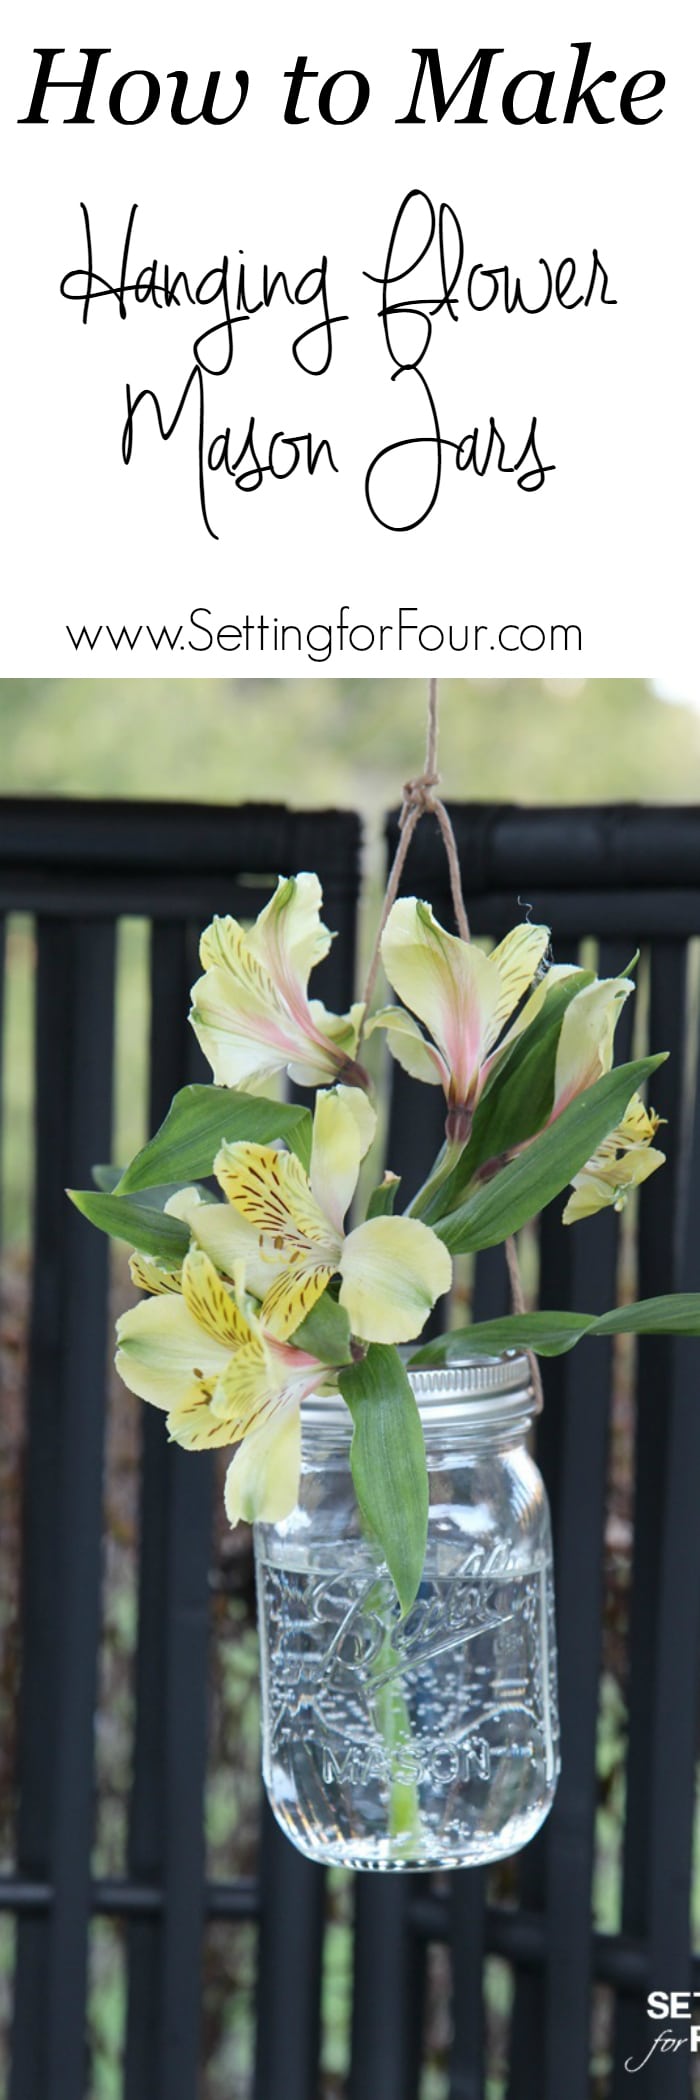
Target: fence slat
x,y
467,1925
665,1628
289,1970
551,2018
63,1508
166,1837
292,1888
388,1987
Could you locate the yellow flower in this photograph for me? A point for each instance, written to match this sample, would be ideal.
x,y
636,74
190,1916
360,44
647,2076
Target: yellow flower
x,y
205,1358
464,997
627,1155
250,1010
585,1047
287,1228
625,1159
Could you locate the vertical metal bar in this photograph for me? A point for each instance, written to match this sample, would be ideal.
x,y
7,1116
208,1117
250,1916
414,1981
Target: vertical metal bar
x,y
3,983
289,1970
166,1843
388,1985
413,1140
467,1899
290,1949
63,1507
552,2012
551,2028
491,1295
665,1638
467,1891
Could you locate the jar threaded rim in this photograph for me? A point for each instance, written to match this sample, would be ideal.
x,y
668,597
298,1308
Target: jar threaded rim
x,y
474,1390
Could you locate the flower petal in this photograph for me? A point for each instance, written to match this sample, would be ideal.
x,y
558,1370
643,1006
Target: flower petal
x,y
292,1295
594,1191
164,1355
446,982
393,1269
344,1126
625,1158
360,1107
153,1276
639,1124
262,1482
196,1427
341,1029
554,974
289,936
262,1381
250,1011
324,1059
226,1237
250,1389
209,1302
408,1045
242,1027
585,1048
513,966
271,1191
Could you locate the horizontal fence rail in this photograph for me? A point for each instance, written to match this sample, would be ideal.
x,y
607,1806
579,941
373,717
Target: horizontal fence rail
x,y
626,880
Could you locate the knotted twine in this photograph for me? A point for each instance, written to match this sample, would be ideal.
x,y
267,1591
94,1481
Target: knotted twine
x,y
419,799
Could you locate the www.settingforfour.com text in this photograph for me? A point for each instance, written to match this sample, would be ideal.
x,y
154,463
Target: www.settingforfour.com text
x,y
260,634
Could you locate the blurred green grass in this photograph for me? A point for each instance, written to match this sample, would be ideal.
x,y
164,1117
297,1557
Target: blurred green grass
x,y
349,741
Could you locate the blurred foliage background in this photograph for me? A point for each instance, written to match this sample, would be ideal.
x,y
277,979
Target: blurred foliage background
x,y
307,743
349,741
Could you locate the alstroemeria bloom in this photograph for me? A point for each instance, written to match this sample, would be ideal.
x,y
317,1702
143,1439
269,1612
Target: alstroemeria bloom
x,y
625,1158
585,1047
464,997
287,1227
251,1012
205,1358
584,1054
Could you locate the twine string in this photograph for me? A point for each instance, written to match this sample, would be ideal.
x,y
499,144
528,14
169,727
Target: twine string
x,y
420,799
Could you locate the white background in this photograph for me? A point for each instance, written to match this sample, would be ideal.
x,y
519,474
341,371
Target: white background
x,y
610,543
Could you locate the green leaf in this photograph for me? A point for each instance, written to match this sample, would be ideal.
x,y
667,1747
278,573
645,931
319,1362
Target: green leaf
x,y
557,1000
199,1120
552,1333
382,1200
677,1313
106,1178
149,1230
325,1332
388,1463
523,1188
547,1333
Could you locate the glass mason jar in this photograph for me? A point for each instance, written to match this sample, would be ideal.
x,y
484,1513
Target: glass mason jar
x,y
428,1741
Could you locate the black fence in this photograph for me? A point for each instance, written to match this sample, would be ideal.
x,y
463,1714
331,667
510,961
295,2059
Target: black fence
x,y
627,1539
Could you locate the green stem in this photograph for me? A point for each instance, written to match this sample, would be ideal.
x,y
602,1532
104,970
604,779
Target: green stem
x,y
394,1725
445,1163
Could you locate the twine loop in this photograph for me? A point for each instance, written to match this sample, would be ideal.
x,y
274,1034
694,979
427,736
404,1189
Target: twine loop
x,y
418,795
420,799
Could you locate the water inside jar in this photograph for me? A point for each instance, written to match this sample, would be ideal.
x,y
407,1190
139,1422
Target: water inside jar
x,y
429,1741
